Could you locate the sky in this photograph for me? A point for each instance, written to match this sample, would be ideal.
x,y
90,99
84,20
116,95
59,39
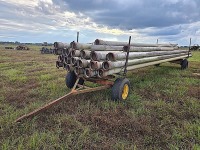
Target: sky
x,y
169,21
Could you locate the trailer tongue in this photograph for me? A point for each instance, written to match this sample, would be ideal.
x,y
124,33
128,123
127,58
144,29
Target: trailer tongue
x,y
76,90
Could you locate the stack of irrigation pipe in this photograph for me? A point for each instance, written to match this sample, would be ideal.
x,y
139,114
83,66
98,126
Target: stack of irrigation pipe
x,y
103,58
99,61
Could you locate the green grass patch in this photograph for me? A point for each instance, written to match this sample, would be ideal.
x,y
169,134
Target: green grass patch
x,y
161,112
15,75
195,56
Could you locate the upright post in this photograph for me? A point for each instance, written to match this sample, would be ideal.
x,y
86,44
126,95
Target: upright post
x,y
189,47
77,37
127,56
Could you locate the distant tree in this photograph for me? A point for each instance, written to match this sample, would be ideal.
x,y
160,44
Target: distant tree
x,y
16,42
44,44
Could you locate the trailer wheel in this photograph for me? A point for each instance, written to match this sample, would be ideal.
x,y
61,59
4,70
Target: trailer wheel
x,y
120,89
71,79
184,64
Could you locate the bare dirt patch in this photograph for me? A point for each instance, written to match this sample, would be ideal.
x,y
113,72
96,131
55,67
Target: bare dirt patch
x,y
21,96
117,124
194,91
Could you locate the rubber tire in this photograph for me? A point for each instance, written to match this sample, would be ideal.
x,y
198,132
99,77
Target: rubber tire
x,y
117,89
184,64
71,79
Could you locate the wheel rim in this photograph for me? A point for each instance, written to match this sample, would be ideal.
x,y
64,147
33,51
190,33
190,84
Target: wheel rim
x,y
125,91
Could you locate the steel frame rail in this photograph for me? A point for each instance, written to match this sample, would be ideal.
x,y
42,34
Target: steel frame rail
x,y
76,90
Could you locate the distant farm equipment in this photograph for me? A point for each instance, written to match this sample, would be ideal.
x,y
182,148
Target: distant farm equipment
x,y
22,47
45,50
8,47
195,47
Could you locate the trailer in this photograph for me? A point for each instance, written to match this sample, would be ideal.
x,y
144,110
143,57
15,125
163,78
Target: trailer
x,y
117,81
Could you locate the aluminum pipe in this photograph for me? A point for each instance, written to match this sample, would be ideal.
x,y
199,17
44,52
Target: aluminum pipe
x,y
68,51
103,73
69,60
106,48
85,54
115,43
117,56
58,51
78,71
95,65
76,53
147,49
88,73
59,64
70,67
60,45
98,55
64,51
65,60
83,63
107,65
80,46
61,58
74,60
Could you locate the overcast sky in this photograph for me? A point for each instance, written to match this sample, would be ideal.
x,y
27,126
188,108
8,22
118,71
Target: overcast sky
x,y
170,21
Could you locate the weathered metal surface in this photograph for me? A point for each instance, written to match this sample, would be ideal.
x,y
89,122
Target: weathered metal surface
x,y
106,48
104,81
88,73
80,46
98,55
83,63
59,64
122,55
68,52
75,53
59,100
127,57
147,49
116,43
103,73
58,51
85,54
60,45
110,65
79,71
74,60
70,67
95,65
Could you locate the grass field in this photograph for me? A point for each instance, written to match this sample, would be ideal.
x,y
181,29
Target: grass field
x,y
162,110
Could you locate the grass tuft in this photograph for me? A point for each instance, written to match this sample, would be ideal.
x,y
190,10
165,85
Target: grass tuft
x,y
161,112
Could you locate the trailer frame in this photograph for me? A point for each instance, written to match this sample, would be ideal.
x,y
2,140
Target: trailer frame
x,y
76,90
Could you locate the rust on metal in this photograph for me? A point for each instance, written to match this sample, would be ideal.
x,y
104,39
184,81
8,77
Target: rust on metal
x,y
75,91
105,82
101,81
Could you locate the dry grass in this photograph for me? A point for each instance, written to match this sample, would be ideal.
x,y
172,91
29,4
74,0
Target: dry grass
x,y
162,111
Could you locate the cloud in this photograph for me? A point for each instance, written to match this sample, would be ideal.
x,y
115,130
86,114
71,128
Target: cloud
x,y
131,14
145,21
45,15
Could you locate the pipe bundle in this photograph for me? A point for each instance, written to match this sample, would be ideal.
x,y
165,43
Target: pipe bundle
x,y
103,58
